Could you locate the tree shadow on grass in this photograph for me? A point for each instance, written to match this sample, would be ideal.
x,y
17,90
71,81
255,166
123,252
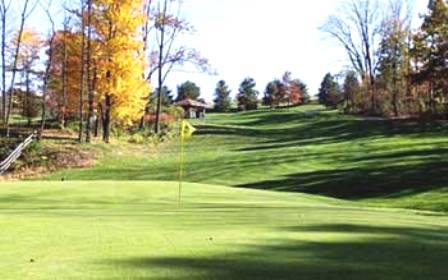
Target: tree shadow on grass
x,y
324,131
362,252
363,182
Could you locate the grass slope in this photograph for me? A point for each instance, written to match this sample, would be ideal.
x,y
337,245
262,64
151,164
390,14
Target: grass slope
x,y
137,230
305,149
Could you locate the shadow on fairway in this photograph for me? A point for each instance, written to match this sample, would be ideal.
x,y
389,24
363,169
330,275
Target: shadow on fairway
x,y
322,130
369,252
363,182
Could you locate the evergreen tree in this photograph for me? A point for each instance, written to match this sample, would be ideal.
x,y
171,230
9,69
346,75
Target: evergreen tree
x,y
247,95
222,100
351,91
188,90
273,92
329,92
166,94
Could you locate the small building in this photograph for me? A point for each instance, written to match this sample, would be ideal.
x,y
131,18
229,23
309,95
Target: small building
x,y
194,109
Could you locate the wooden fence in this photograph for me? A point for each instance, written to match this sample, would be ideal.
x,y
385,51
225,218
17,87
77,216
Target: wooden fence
x,y
5,164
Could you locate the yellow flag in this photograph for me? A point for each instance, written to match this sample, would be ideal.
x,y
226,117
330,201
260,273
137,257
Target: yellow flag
x,y
187,130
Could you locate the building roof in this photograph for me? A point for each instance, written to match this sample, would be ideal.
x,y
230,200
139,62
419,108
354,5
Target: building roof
x,y
193,103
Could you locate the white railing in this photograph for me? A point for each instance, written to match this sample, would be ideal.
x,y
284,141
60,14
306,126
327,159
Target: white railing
x,y
5,164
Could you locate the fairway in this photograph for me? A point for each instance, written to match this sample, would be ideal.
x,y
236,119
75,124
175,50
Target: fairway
x,y
307,149
137,230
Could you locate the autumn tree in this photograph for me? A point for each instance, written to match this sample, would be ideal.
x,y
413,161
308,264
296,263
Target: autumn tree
x,y
430,52
27,67
121,88
294,89
287,91
222,100
65,75
4,9
394,59
188,90
275,93
26,9
168,53
356,27
247,96
46,75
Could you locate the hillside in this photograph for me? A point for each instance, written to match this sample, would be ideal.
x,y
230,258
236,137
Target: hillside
x,y
306,149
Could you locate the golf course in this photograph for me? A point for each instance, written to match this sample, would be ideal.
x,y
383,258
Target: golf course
x,y
293,193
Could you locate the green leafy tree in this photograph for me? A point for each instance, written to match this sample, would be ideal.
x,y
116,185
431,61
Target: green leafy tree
x,y
167,97
222,100
247,95
188,90
273,92
351,92
430,51
306,98
394,60
329,92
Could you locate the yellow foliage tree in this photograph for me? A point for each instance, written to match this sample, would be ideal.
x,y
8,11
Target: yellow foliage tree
x,y
121,89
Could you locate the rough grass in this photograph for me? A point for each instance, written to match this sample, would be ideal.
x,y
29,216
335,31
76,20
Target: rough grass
x,y
305,149
137,230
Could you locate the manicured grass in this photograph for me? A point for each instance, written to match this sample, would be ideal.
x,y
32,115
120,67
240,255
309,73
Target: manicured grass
x,y
137,230
306,149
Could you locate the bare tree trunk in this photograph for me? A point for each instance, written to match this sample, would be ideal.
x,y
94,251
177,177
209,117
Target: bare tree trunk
x,y
82,85
23,18
4,9
28,98
47,73
64,103
160,69
89,82
106,119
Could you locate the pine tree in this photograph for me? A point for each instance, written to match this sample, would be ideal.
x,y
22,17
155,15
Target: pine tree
x,y
222,100
351,91
329,92
247,95
188,90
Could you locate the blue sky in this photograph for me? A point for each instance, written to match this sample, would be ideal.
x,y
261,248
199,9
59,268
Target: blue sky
x,y
263,39
259,38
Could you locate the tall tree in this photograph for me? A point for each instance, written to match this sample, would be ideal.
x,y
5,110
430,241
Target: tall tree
x,y
27,65
90,93
168,26
223,102
27,8
329,92
188,90
394,54
351,92
82,80
356,27
46,76
121,87
4,8
431,51
247,95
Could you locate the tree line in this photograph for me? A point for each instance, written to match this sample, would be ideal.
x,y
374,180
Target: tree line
x,y
286,91
395,70
95,67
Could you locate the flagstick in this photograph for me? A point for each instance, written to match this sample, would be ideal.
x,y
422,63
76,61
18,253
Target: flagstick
x,y
181,162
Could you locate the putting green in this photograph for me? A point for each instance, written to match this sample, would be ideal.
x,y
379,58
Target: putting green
x,y
137,230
